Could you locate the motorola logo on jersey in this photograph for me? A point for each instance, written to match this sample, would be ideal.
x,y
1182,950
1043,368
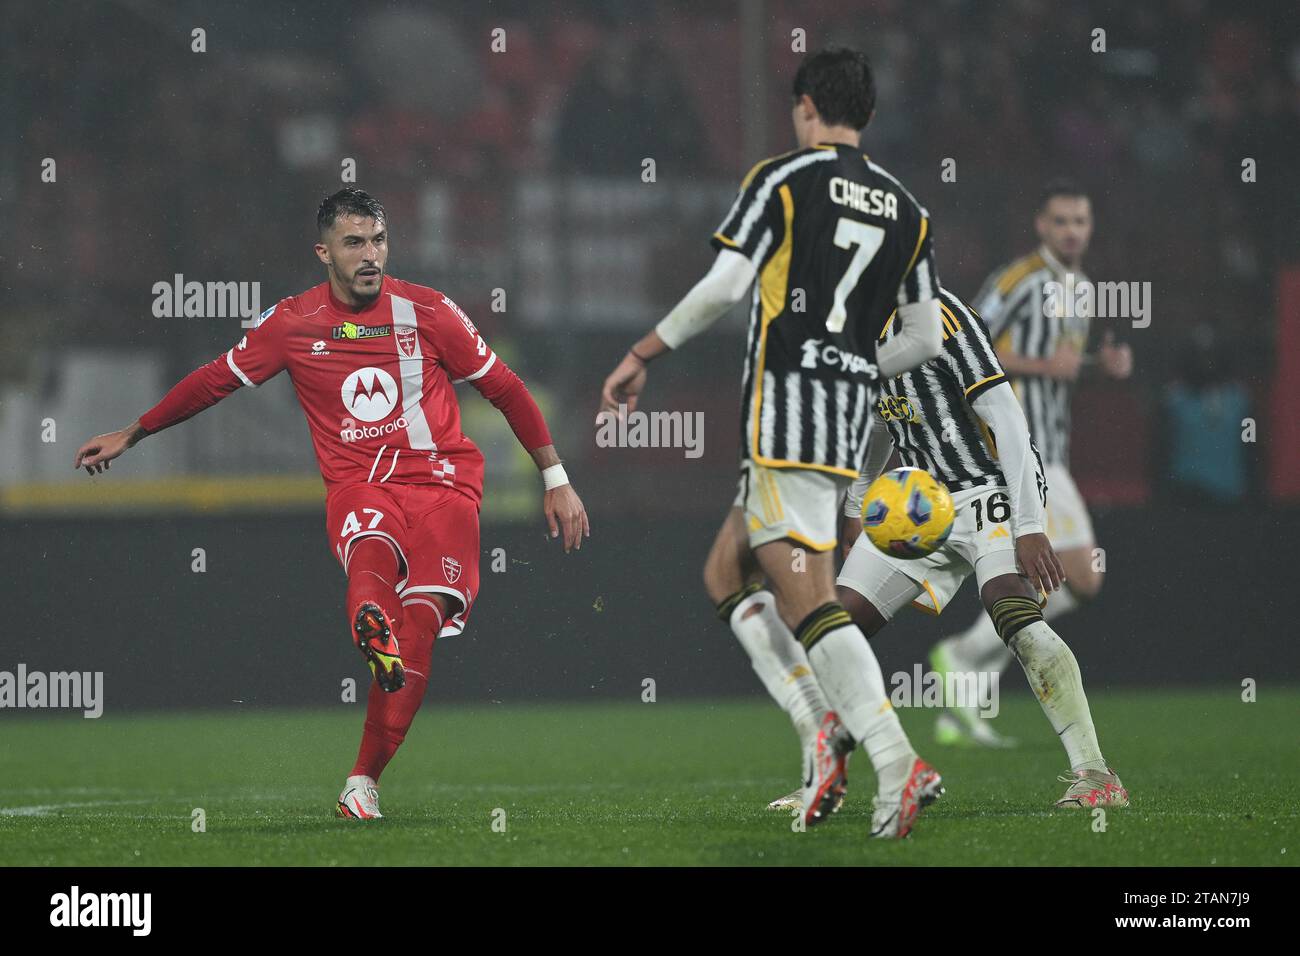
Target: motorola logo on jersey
x,y
815,351
351,431
370,394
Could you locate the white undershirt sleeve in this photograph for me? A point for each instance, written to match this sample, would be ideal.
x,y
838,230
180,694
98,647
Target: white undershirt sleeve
x,y
880,445
723,286
1004,416
918,339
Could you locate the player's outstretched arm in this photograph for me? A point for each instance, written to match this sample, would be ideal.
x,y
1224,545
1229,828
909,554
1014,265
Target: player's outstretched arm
x,y
722,287
260,358
562,506
95,454
623,386
203,387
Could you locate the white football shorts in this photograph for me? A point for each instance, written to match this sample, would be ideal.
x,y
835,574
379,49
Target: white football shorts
x,y
802,504
977,543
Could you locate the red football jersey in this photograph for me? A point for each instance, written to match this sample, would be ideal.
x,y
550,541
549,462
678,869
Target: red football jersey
x,y
376,383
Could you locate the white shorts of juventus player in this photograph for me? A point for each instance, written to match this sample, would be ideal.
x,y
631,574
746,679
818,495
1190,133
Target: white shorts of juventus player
x,y
980,543
797,503
1068,523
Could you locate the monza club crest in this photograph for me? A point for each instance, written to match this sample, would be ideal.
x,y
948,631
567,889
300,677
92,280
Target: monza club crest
x,y
451,570
406,341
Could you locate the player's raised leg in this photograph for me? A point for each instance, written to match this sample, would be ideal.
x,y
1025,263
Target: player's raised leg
x,y
368,533
1053,675
375,609
439,533
389,715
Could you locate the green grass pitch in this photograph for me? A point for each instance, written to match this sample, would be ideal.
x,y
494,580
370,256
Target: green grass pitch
x,y
1213,782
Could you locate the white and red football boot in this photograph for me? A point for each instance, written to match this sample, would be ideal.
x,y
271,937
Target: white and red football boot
x,y
895,813
359,799
826,770
1092,788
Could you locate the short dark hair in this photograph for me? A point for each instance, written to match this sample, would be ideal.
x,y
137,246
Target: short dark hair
x,y
841,85
1061,186
348,201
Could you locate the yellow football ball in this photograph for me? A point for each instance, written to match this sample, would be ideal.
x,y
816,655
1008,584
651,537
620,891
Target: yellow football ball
x,y
907,513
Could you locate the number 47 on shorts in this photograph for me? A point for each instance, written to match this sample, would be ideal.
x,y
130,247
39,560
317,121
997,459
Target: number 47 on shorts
x,y
351,525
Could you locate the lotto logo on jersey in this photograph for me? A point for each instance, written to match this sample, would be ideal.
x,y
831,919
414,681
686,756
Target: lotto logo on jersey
x,y
370,394
469,326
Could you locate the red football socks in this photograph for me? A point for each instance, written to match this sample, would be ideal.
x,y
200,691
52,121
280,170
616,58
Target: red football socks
x,y
372,576
389,716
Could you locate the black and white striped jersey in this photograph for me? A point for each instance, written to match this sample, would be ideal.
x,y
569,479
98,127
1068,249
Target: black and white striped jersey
x,y
928,410
838,244
1019,315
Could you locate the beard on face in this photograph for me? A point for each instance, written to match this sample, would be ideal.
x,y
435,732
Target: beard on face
x,y
358,278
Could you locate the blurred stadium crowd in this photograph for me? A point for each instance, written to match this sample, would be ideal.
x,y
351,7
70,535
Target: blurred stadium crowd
x,y
210,165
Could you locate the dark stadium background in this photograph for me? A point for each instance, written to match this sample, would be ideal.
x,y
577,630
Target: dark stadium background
x,y
521,171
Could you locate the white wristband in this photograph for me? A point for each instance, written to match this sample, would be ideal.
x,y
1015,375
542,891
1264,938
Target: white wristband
x,y
554,476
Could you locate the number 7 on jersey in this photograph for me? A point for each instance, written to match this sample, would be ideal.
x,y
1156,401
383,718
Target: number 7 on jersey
x,y
850,233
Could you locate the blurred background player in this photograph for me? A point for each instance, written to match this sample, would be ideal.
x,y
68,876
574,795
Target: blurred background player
x,y
836,244
374,361
1041,348
957,418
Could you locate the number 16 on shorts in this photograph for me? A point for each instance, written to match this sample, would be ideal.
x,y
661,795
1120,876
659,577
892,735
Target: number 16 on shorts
x,y
995,508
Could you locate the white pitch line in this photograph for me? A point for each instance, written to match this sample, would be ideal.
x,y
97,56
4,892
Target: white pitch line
x,y
46,809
